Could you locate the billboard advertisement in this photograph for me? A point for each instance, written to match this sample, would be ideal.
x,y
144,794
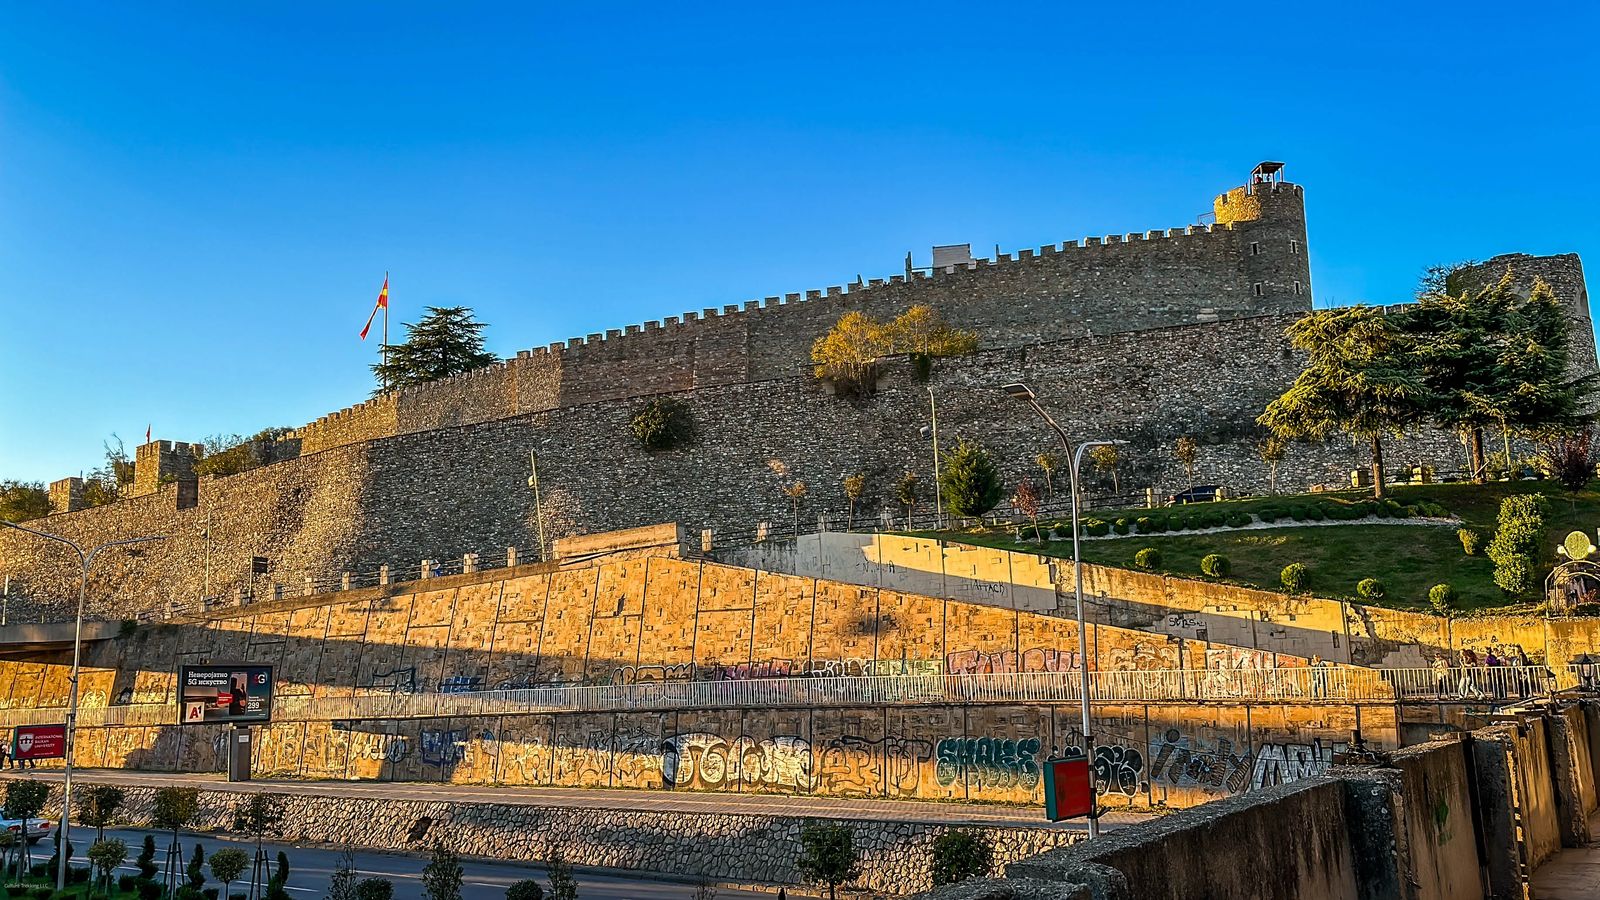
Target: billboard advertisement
x,y
39,742
224,694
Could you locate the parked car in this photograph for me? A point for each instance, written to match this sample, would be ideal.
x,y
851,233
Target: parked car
x,y
38,830
1200,493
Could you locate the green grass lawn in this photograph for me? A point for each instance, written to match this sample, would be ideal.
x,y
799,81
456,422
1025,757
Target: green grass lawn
x,y
1409,558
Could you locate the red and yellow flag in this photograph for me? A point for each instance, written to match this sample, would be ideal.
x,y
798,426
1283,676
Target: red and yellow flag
x,y
383,303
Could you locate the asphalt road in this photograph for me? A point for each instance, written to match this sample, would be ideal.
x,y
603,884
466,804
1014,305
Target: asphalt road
x,y
311,868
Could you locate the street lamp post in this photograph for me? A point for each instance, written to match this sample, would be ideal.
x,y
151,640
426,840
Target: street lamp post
x,y
933,433
1075,459
85,560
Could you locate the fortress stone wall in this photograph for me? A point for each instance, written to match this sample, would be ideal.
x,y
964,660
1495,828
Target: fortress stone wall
x,y
1140,337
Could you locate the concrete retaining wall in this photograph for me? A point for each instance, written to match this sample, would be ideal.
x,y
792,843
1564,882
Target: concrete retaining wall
x,y
1469,818
719,847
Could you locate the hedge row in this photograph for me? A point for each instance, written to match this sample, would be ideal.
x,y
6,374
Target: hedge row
x,y
1196,518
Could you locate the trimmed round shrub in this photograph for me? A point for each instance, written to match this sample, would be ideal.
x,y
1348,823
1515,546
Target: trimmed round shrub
x,y
1214,518
1096,527
1316,513
1442,597
1268,513
1148,558
1294,577
1395,509
1144,525
1237,519
1122,526
527,889
1216,565
1374,508
1370,589
1297,512
1471,540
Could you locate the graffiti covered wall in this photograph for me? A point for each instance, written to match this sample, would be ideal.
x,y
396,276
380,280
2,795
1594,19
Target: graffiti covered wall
x,y
1145,756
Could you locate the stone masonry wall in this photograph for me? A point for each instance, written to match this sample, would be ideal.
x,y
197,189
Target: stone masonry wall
x,y
1251,264
442,493
718,847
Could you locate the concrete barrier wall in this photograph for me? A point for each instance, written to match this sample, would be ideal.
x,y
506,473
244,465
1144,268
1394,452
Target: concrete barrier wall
x,y
1435,820
1462,819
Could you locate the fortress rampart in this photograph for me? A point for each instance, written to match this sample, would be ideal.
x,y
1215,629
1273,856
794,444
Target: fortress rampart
x,y
1140,337
1251,262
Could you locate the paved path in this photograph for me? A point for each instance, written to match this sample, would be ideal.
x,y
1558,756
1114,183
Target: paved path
x,y
1572,874
651,801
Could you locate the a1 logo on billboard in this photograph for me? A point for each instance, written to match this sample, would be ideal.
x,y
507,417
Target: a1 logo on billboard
x,y
194,711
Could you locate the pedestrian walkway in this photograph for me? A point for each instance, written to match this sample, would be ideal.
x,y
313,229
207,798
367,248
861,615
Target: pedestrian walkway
x,y
1572,874
598,798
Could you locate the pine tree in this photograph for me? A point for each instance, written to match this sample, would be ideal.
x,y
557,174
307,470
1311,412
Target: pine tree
x,y
1360,379
970,483
447,341
1490,357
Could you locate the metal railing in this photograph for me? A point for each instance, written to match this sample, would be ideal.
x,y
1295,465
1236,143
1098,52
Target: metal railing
x,y
1297,685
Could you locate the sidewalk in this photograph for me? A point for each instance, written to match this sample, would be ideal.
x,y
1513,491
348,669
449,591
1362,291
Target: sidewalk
x,y
596,798
1572,874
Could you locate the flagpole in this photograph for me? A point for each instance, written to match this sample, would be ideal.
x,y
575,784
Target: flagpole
x,y
386,332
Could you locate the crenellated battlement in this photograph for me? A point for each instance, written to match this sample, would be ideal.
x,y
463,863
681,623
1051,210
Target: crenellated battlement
x,y
1242,265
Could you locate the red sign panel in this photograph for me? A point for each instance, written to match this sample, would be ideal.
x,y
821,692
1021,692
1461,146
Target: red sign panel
x,y
39,742
1068,789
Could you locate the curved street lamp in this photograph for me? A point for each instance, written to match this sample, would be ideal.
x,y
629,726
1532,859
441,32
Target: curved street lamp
x,y
85,560
1021,392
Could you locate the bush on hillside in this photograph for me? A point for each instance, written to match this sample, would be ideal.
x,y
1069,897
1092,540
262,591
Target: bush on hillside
x,y
1268,513
1517,541
1238,519
1294,577
1471,540
1148,558
1096,527
1442,597
1370,589
1122,526
1298,512
1144,525
1316,513
1216,565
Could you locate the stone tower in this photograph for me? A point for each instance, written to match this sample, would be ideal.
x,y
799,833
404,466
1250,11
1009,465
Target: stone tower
x,y
1269,215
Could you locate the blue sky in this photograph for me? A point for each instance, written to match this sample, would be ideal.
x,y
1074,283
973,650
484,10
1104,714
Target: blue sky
x,y
198,201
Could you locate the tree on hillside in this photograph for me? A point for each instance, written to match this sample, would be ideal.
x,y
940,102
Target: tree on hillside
x,y
1271,450
97,806
232,454
107,483
23,500
848,356
923,334
447,341
1187,450
905,493
1359,379
1050,462
1443,278
855,487
970,484
828,855
1107,458
1490,357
